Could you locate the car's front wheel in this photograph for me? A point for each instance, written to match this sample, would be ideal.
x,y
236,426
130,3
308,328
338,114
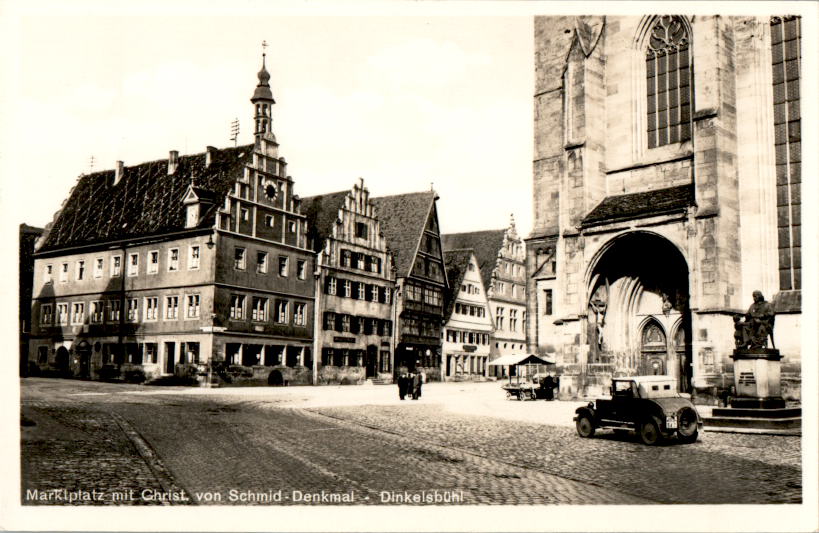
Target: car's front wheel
x,y
650,432
584,425
688,430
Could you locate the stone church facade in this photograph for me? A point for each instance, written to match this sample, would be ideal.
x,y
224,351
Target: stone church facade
x,y
666,190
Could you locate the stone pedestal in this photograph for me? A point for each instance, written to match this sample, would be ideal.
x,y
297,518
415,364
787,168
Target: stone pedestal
x,y
756,379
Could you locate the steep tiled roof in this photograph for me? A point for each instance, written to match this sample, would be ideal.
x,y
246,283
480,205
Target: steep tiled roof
x,y
403,218
641,204
486,245
321,212
456,263
146,201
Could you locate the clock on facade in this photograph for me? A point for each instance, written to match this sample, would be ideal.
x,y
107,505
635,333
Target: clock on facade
x,y
270,190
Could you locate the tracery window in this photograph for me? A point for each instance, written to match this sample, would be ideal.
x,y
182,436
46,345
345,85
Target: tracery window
x,y
786,55
668,83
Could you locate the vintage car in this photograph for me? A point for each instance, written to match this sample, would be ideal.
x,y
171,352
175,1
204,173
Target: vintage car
x,y
648,405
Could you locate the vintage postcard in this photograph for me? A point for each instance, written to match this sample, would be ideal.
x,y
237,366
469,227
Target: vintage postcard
x,y
428,266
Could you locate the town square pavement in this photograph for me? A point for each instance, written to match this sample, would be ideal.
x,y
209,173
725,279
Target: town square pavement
x,y
461,443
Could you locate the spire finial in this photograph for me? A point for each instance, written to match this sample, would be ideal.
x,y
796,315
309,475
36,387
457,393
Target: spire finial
x,y
264,52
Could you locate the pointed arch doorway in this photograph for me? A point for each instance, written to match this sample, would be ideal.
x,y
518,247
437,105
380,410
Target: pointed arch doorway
x,y
653,350
638,318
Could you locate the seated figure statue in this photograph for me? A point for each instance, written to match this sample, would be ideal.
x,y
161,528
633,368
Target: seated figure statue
x,y
759,323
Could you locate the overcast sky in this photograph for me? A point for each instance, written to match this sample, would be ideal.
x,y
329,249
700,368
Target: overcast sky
x,y
402,101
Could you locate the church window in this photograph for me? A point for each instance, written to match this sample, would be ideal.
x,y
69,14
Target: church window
x,y
785,55
547,302
668,83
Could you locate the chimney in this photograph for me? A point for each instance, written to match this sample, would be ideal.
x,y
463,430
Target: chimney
x,y
173,161
119,170
209,155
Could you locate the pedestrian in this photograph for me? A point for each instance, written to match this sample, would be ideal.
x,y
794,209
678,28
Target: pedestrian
x,y
557,384
417,381
549,384
402,384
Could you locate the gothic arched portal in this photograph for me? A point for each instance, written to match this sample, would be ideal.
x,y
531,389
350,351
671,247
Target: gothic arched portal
x,y
638,293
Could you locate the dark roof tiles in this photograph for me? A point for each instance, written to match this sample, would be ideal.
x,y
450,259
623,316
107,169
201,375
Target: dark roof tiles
x,y
403,218
486,245
146,201
641,204
456,263
321,212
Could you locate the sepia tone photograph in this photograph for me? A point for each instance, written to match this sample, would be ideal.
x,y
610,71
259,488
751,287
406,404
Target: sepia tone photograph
x,y
476,267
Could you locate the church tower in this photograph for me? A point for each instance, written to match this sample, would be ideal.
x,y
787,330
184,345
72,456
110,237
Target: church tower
x,y
263,102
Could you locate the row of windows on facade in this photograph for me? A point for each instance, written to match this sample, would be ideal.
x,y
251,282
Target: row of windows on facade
x,y
467,337
262,263
419,327
260,306
427,295
115,270
427,267
512,269
351,357
102,311
360,261
500,313
470,288
356,289
269,221
357,324
134,353
466,364
267,355
499,289
470,310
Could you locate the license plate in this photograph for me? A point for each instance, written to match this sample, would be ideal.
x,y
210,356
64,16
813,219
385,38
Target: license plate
x,y
671,422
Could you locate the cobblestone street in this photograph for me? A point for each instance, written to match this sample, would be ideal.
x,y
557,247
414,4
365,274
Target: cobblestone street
x,y
240,446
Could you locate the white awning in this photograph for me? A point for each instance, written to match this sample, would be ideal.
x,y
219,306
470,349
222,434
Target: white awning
x,y
522,359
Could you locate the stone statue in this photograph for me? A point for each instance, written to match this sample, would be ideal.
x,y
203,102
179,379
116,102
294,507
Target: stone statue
x,y
758,325
598,305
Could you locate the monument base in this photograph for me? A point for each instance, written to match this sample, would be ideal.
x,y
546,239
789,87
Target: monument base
x,y
757,373
757,403
758,406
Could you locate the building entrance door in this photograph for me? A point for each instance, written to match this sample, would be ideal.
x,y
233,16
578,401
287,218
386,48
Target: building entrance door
x,y
61,360
84,353
653,349
170,357
372,360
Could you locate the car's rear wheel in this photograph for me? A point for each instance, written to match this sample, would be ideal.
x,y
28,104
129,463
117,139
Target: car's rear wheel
x,y
585,426
532,395
521,396
688,430
650,432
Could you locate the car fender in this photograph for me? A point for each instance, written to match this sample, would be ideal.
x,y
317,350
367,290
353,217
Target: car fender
x,y
587,410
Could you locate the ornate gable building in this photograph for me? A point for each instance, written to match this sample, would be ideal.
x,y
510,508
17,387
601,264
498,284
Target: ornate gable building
x,y
182,266
468,325
355,288
501,256
666,190
410,225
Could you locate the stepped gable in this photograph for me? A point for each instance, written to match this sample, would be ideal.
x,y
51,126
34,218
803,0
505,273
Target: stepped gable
x,y
486,245
322,213
455,263
641,204
146,201
403,218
